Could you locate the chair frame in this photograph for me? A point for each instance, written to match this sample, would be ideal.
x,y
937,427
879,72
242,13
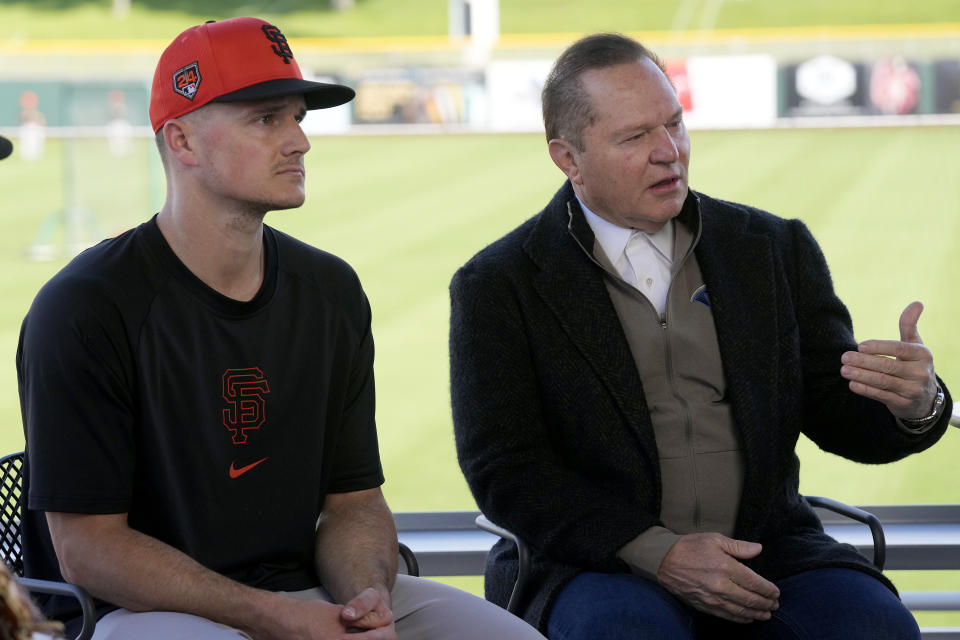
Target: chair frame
x,y
523,550
11,482
409,559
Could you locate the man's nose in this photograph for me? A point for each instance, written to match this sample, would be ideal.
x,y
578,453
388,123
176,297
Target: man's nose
x,y
665,147
297,141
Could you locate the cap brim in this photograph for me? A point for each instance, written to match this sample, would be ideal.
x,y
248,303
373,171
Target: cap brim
x,y
318,95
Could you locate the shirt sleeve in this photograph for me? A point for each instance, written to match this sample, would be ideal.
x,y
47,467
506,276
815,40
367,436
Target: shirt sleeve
x,y
76,401
356,462
645,553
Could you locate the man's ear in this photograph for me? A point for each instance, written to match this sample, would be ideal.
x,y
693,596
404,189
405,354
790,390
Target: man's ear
x,y
564,155
177,135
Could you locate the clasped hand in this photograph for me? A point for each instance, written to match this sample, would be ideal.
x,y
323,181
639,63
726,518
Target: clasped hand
x,y
369,610
897,373
366,617
704,570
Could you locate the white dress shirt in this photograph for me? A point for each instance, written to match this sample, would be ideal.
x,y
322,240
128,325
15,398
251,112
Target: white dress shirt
x,y
643,260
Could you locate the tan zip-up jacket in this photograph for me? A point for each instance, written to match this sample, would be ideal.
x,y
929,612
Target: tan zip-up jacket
x,y
678,359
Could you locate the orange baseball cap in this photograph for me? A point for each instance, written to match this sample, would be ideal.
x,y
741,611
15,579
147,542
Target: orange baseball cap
x,y
228,61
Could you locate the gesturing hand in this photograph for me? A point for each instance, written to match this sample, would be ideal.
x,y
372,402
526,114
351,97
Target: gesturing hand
x,y
897,373
704,570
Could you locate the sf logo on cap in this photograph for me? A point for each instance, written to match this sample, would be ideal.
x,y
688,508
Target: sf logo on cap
x,y
280,46
186,80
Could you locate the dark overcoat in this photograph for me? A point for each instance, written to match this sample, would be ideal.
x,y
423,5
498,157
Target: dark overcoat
x,y
552,430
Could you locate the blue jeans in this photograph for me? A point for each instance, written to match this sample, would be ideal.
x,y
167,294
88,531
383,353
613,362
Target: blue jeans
x,y
823,604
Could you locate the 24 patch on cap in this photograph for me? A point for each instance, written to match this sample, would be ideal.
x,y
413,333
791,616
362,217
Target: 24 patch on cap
x,y
186,81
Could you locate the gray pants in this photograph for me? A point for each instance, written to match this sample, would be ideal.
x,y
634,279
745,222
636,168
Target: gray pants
x,y
423,610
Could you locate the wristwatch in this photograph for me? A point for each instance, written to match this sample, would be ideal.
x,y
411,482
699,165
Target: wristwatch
x,y
918,423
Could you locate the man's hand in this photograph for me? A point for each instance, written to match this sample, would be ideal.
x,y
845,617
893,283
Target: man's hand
x,y
141,573
897,373
704,570
370,609
356,551
296,619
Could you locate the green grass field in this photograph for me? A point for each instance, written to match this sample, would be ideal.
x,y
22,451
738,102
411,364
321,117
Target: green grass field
x,y
406,211
86,19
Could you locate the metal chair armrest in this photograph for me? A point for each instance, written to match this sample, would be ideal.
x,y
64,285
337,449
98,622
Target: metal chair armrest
x,y
867,518
523,554
409,559
67,589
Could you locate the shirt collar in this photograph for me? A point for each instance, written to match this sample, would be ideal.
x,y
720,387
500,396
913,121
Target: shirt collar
x,y
613,238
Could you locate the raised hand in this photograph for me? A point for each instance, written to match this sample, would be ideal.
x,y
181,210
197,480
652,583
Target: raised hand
x,y
897,373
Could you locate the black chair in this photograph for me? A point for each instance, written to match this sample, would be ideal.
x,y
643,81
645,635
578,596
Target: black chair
x,y
865,517
410,560
523,568
523,551
11,481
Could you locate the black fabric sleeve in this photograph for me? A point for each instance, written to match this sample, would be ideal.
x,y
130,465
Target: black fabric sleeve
x,y
73,366
356,460
835,418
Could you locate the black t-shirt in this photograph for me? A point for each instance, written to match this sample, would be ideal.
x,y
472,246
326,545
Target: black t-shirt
x,y
219,426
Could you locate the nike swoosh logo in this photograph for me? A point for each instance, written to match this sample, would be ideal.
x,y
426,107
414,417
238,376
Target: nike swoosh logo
x,y
236,473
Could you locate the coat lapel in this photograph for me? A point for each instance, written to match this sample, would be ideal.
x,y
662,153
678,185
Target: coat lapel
x,y
572,287
738,267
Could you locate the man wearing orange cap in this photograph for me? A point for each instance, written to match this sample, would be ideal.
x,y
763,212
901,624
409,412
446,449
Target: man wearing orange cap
x,y
198,394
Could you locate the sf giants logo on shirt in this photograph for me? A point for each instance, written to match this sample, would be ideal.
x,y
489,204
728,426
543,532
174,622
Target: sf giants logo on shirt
x,y
186,80
244,390
280,45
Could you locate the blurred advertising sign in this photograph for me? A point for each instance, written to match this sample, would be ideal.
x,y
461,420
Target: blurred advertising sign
x,y
680,79
894,86
415,96
513,94
726,91
714,91
824,86
831,86
947,76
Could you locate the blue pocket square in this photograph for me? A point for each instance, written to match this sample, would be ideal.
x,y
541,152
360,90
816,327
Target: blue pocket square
x,y
700,295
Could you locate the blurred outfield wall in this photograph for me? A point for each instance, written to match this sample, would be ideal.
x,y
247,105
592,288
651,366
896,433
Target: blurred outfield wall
x,y
726,79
